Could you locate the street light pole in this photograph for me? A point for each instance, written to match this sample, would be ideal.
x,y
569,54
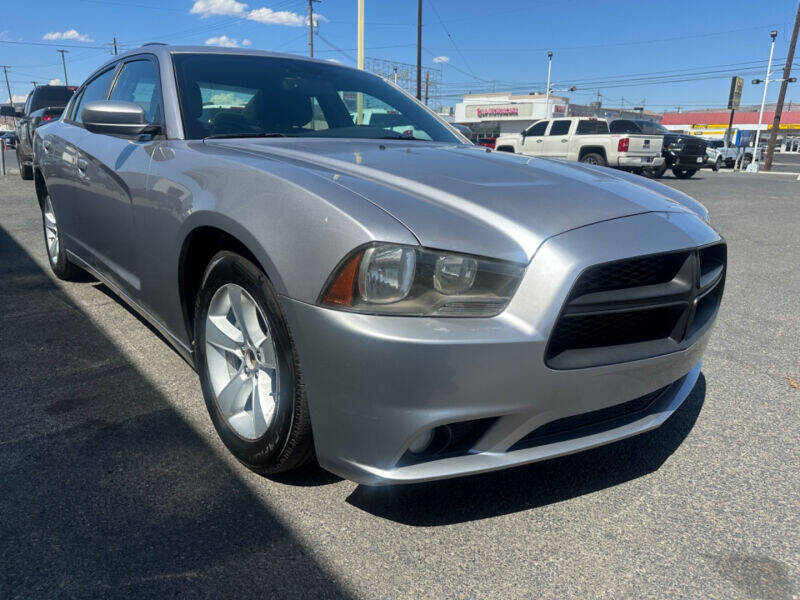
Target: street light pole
x,y
773,35
547,95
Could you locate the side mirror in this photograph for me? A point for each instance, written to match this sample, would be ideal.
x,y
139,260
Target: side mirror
x,y
113,117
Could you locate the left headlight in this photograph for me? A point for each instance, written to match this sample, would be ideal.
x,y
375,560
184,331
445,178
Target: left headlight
x,y
392,279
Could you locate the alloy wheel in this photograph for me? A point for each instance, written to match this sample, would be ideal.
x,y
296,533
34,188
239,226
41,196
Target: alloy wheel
x,y
241,361
51,230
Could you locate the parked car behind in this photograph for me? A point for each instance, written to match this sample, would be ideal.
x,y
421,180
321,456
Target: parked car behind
x,y
44,103
587,140
404,308
9,139
725,154
684,154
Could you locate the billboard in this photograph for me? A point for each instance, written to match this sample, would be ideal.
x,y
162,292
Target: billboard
x,y
735,94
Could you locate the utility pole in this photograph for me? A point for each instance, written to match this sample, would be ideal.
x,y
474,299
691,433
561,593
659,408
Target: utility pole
x,y
311,27
427,83
8,87
547,93
787,71
115,46
64,64
773,35
419,49
34,83
395,74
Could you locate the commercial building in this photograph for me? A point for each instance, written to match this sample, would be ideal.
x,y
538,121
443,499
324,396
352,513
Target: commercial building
x,y
713,123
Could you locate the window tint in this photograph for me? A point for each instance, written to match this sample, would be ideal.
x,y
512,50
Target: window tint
x,y
50,95
623,126
138,83
560,127
96,89
651,128
591,126
251,95
538,128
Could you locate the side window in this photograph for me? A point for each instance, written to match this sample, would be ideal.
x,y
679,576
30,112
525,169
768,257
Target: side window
x,y
96,89
623,126
560,127
591,126
138,83
538,128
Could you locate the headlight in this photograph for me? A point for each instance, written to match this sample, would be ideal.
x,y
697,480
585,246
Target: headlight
x,y
392,279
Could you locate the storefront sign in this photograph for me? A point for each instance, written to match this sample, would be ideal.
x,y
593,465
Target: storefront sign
x,y
498,111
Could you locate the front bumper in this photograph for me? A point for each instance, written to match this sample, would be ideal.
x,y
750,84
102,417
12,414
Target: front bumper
x,y
373,383
638,162
689,161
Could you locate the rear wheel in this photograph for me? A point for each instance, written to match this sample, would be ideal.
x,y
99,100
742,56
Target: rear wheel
x,y
683,173
654,172
248,368
53,240
592,158
25,171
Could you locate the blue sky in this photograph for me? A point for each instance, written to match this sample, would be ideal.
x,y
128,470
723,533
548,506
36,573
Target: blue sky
x,y
631,50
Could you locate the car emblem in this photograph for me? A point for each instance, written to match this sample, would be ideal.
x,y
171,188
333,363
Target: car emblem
x,y
647,143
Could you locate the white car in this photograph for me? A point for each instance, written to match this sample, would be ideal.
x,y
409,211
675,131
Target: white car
x,y
722,154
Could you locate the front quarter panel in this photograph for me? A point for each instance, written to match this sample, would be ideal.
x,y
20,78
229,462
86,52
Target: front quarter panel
x,y
297,224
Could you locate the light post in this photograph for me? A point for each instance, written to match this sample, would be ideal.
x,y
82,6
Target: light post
x,y
773,35
547,96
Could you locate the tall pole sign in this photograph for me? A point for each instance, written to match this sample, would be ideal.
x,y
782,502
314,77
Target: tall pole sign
x,y
734,100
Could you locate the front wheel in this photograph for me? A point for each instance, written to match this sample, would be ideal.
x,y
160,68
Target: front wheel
x,y
683,173
718,163
248,367
592,158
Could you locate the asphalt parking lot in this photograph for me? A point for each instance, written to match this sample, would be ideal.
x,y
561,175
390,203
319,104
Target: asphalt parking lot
x,y
114,484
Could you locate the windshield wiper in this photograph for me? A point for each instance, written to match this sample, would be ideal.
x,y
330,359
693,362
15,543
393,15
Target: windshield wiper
x,y
402,137
220,136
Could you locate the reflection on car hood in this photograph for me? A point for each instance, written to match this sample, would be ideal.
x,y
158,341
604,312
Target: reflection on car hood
x,y
465,198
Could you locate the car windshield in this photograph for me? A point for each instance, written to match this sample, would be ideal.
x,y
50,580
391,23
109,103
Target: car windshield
x,y
651,128
230,95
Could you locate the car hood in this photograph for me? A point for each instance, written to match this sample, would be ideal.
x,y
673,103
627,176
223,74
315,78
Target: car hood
x,y
468,199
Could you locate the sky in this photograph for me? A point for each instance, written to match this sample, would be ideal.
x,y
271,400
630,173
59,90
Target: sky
x,y
661,55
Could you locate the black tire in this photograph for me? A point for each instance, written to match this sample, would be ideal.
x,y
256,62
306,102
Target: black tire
x,y
287,443
683,173
62,267
654,172
592,158
25,171
718,163
748,158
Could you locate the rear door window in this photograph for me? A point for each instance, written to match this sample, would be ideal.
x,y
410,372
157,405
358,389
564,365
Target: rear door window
x,y
560,127
591,126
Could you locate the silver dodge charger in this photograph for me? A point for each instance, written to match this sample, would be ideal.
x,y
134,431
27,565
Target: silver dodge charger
x,y
352,279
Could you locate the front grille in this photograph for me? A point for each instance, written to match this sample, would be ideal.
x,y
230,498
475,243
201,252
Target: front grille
x,y
637,308
691,146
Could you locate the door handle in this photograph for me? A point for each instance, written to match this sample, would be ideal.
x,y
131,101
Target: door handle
x,y
538,141
564,141
82,165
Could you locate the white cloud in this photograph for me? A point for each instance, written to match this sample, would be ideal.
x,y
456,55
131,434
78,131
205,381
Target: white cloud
x,y
206,8
55,81
441,59
223,41
69,34
16,99
246,42
263,15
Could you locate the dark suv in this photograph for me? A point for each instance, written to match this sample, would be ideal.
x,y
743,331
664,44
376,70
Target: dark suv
x,y
684,154
44,103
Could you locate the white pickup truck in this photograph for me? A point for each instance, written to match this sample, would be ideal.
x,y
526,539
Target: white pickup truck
x,y
585,139
722,154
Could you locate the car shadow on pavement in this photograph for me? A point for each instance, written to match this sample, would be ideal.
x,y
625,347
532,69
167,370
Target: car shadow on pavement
x,y
531,486
105,490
